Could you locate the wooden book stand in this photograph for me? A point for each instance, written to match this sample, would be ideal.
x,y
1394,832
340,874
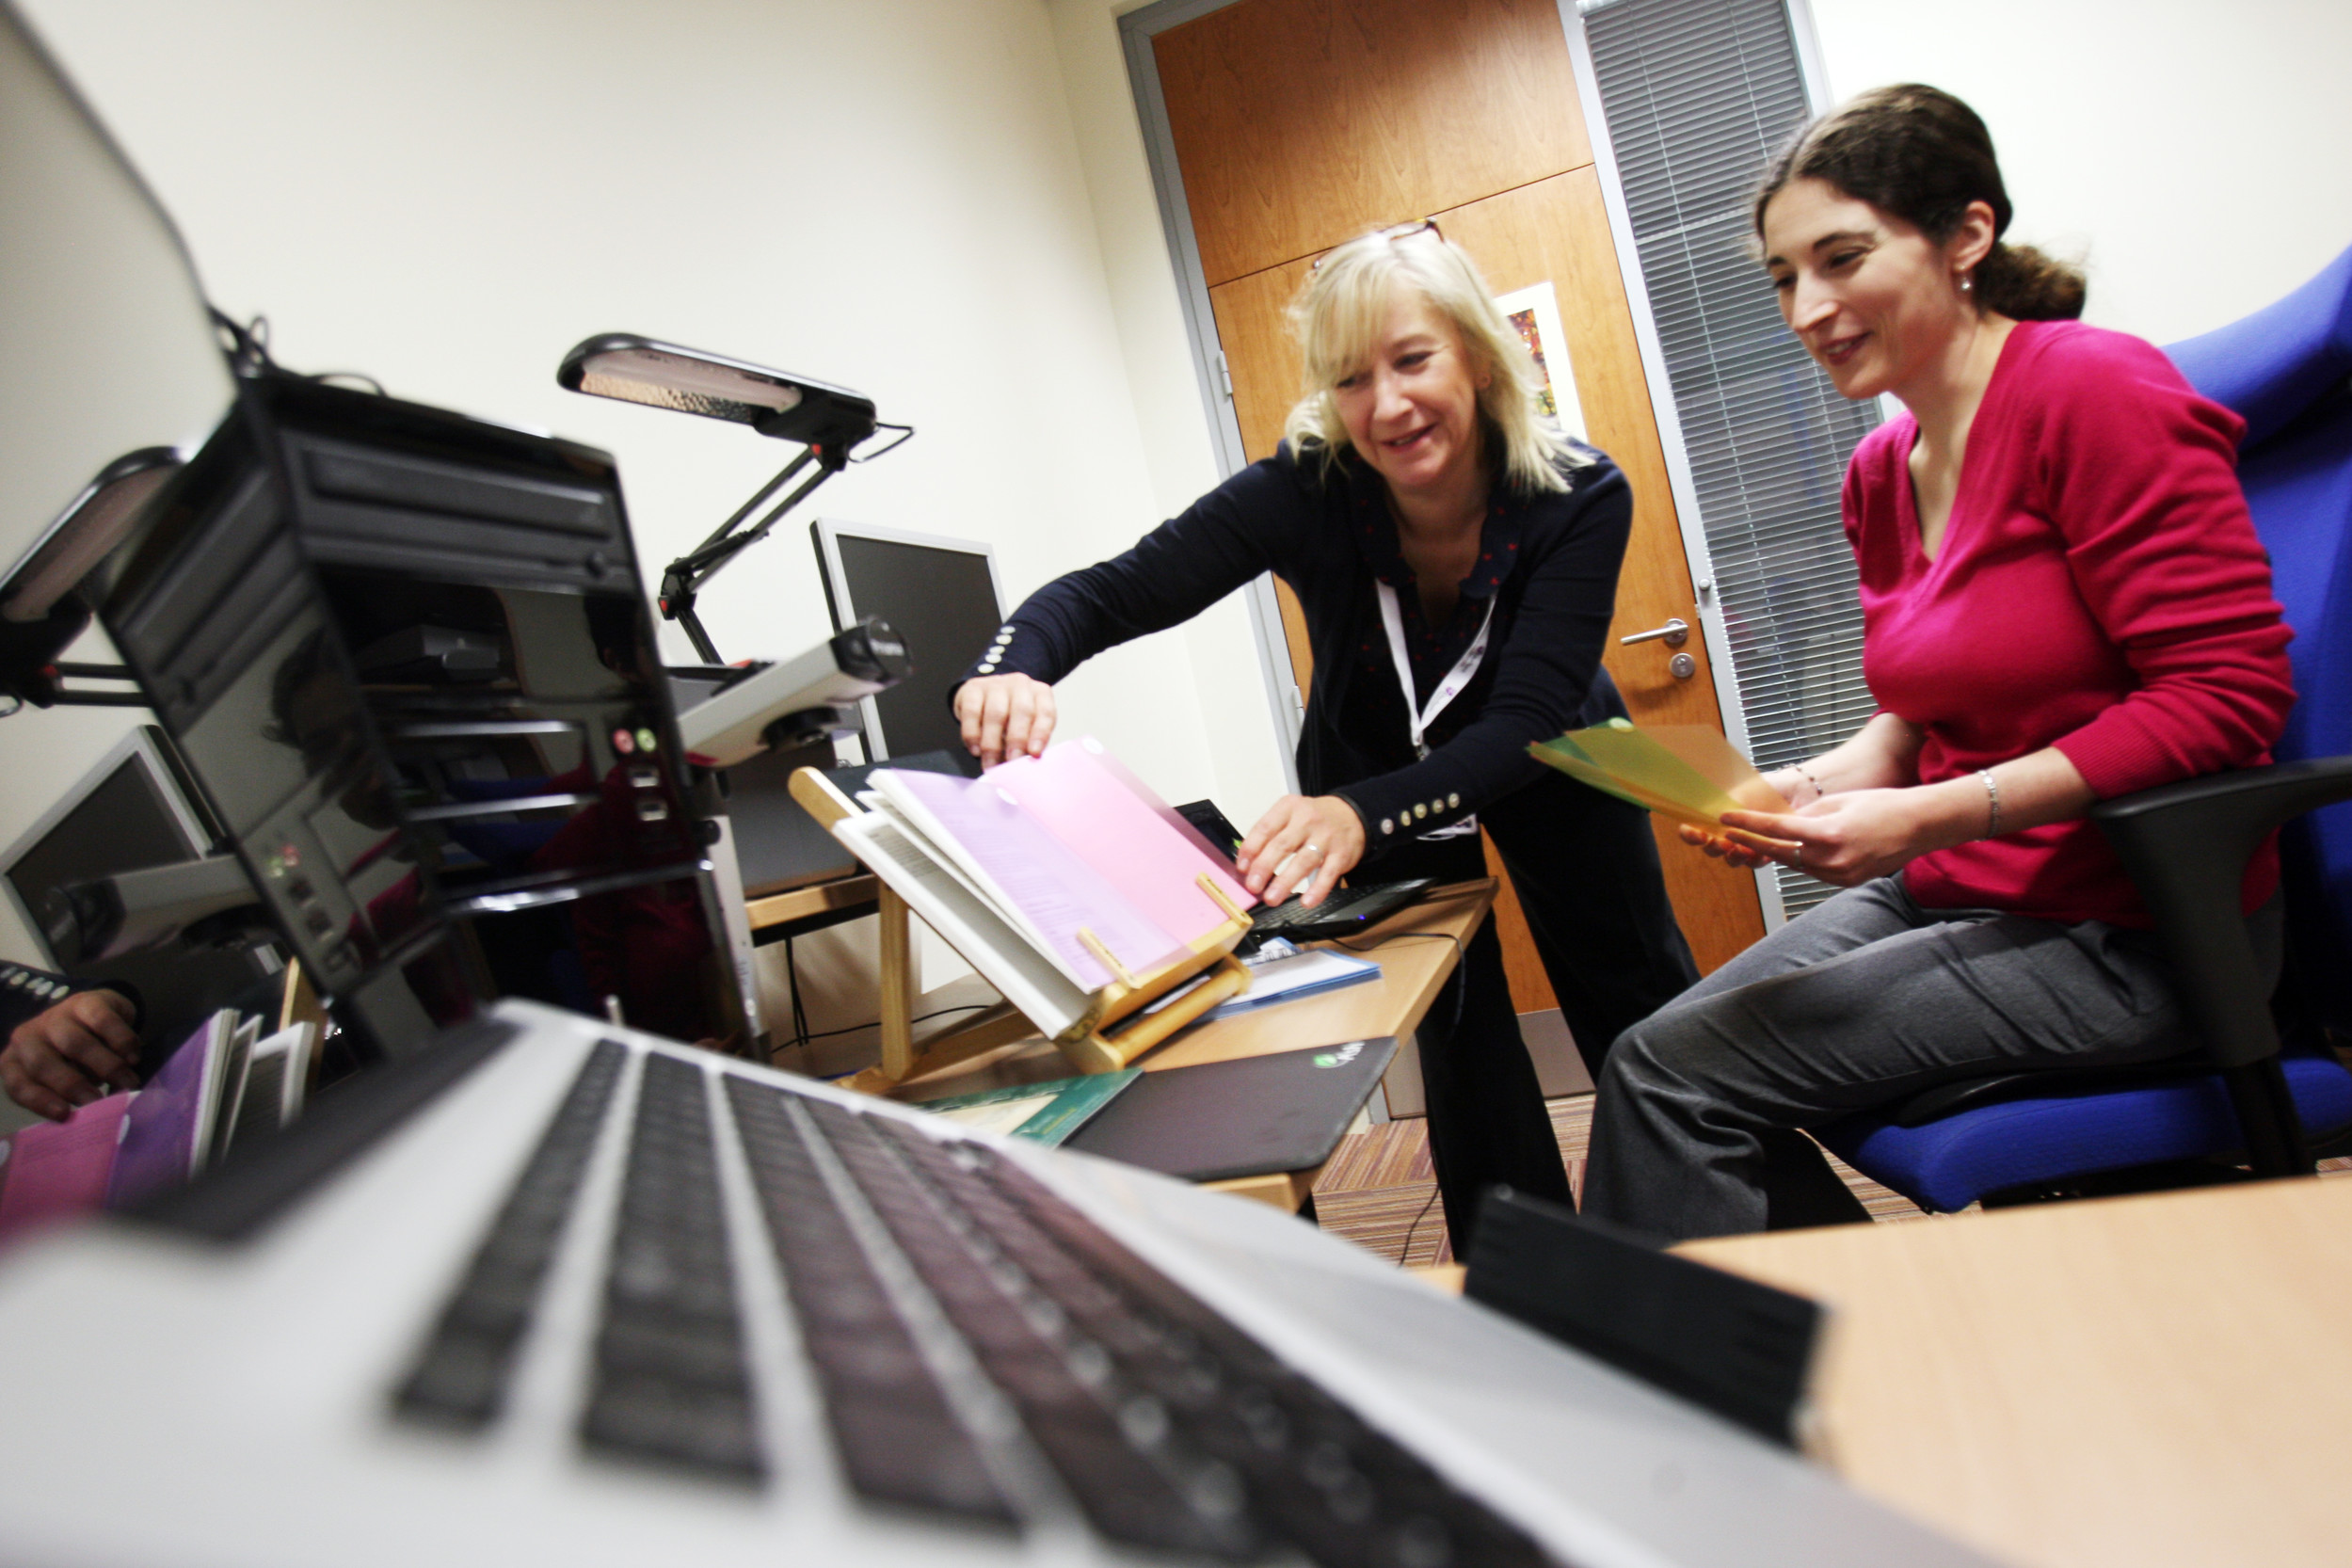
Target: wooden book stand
x,y
1108,1036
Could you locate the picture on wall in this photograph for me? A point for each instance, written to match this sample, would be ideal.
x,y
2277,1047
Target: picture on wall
x,y
1535,312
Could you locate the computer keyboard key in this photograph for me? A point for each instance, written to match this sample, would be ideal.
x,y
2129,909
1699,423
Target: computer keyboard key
x,y
917,1457
1134,1477
899,1439
462,1374
1315,1474
669,1384
1128,1497
677,1420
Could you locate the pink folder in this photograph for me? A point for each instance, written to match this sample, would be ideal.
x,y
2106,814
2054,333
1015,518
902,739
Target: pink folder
x,y
1077,793
1056,888
56,1170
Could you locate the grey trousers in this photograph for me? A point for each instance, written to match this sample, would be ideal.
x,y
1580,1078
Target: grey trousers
x,y
1857,1003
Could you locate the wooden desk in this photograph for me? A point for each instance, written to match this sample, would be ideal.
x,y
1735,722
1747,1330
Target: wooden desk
x,y
1411,973
812,907
2139,1381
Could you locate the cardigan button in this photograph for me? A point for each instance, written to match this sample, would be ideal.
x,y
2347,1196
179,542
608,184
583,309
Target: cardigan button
x,y
1387,824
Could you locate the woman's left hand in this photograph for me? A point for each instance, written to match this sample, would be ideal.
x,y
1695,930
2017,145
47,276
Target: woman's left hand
x,y
1851,838
1303,841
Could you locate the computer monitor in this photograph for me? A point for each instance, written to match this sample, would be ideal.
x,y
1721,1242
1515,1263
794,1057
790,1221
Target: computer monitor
x,y
943,596
129,812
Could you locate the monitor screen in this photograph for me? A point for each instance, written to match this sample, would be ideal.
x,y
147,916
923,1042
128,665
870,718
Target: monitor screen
x,y
128,813
113,365
940,593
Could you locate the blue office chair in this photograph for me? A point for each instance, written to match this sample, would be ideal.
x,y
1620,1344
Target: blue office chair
x,y
2287,370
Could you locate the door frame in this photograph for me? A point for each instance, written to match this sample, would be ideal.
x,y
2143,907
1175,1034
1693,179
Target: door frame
x,y
1137,29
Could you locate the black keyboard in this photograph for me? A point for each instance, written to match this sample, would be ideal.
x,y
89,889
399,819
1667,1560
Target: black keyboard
x,y
1348,910
979,1343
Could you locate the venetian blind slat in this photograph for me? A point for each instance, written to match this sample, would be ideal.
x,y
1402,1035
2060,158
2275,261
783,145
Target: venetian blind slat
x,y
1696,94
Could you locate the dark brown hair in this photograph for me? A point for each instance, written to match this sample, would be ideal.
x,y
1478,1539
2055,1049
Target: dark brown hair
x,y
1920,155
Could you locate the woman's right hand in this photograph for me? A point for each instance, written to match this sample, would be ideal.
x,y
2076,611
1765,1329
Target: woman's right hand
x,y
1793,785
1004,716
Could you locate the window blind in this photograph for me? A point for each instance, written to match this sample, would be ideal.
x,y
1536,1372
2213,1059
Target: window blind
x,y
1697,94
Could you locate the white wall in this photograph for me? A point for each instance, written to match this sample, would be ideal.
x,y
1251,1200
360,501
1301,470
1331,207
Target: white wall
x,y
1178,449
2196,156
447,193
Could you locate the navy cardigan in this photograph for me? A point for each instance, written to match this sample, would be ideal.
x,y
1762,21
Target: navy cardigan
x,y
1327,537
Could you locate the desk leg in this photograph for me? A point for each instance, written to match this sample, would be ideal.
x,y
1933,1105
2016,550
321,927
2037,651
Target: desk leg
x,y
898,988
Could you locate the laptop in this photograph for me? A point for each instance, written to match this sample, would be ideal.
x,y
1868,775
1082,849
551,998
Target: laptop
x,y
1217,1120
550,1291
1345,912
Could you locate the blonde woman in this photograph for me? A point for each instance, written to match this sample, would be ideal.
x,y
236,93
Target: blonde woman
x,y
1456,559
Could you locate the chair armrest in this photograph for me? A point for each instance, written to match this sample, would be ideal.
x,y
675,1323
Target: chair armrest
x,y
2185,847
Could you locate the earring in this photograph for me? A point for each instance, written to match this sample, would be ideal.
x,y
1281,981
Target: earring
x,y
1967,283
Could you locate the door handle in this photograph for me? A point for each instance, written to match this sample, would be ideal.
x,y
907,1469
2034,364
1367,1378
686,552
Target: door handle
x,y
1673,635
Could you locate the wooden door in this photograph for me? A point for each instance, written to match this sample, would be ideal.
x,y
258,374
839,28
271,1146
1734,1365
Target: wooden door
x,y
1299,123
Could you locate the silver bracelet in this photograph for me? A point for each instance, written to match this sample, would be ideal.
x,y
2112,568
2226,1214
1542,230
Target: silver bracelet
x,y
1993,798
1806,774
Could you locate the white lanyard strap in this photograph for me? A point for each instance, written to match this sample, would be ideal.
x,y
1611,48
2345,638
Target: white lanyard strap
x,y
1419,719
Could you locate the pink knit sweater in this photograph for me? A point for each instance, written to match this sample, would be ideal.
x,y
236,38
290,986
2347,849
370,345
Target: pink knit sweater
x,y
2099,589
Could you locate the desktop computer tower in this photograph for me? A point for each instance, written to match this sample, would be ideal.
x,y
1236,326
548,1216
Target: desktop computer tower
x,y
407,659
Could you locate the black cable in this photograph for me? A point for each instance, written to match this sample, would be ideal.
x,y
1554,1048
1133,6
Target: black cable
x,y
791,979
247,347
884,425
248,344
1462,989
801,1036
966,1007
1405,1254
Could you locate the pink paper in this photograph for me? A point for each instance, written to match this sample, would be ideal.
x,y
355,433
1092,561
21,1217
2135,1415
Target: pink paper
x,y
1089,808
1056,890
56,1170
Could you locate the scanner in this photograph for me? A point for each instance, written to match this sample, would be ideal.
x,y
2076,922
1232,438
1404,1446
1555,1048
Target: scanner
x,y
796,700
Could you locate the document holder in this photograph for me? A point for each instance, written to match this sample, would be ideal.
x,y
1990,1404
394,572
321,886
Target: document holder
x,y
1111,1030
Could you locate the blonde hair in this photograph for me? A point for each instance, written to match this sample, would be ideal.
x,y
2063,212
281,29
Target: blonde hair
x,y
1338,317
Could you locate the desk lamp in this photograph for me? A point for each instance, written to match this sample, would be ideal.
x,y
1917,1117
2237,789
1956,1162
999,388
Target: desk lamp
x,y
827,420
41,610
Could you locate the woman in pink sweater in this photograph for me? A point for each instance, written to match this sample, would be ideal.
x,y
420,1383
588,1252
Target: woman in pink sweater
x,y
2063,601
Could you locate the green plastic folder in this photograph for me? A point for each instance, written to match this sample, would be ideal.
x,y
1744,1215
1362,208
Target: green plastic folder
x,y
1041,1113
1686,772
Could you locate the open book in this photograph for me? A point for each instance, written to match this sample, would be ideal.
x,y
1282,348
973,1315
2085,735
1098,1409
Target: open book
x,y
1060,878
225,1084
1685,772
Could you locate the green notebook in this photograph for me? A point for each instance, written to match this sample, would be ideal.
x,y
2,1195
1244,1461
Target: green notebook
x,y
1041,1113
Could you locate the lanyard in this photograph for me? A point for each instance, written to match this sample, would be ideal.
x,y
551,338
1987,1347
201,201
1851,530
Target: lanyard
x,y
1418,718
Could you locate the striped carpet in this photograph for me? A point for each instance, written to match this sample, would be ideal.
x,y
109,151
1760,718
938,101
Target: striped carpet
x,y
1378,1191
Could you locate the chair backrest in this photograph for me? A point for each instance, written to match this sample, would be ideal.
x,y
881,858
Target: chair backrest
x,y
2287,370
